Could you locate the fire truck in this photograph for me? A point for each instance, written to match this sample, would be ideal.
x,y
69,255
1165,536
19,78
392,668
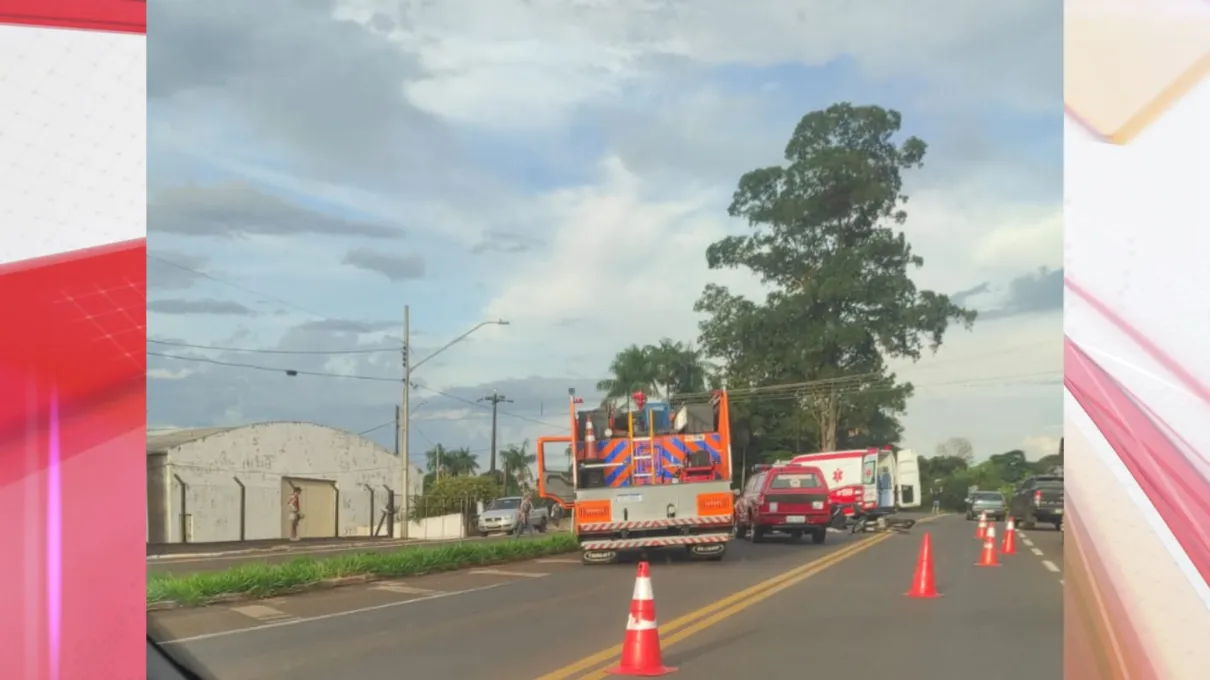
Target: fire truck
x,y
650,476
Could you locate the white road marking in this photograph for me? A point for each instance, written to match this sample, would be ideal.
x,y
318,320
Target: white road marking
x,y
1026,541
1050,566
402,589
263,613
1036,551
501,572
324,617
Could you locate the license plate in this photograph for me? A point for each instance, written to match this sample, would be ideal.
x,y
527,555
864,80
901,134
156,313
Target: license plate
x,y
796,519
1059,511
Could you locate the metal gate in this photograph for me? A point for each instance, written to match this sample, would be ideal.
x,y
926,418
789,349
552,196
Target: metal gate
x,y
317,500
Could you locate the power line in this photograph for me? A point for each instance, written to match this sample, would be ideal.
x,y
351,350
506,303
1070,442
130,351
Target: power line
x,y
287,371
250,350
237,286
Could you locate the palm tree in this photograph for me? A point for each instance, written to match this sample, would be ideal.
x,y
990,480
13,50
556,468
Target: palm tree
x,y
460,462
435,459
633,370
679,367
517,461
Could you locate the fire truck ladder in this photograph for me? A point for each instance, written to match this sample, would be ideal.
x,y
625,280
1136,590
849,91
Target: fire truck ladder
x,y
643,457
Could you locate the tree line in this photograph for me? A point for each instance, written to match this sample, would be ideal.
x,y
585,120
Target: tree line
x,y
514,477
952,471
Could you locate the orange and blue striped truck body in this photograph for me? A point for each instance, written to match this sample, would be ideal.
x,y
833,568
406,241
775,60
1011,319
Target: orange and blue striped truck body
x,y
667,490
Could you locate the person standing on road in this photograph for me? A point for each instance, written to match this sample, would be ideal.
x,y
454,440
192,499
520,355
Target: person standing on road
x,y
523,511
556,514
936,500
294,507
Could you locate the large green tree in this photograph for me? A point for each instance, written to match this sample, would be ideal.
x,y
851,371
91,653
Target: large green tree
x,y
825,240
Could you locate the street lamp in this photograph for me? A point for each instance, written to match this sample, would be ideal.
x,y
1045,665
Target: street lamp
x,y
451,343
409,368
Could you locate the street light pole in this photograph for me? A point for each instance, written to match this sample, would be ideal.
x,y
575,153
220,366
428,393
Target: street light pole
x,y
403,420
409,368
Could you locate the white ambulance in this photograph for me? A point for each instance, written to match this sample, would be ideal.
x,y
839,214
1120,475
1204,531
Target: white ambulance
x,y
869,481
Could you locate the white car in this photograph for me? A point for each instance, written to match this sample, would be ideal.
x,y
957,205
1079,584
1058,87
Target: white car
x,y
500,517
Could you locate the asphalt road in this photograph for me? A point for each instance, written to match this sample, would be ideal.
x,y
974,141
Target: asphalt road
x,y
776,610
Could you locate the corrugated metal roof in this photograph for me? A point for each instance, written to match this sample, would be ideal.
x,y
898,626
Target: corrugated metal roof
x,y
163,441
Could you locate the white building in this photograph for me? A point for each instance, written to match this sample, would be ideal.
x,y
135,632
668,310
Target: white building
x,y
233,483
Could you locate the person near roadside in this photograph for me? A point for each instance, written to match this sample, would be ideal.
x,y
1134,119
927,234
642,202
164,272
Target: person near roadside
x,y
523,512
936,500
556,514
294,507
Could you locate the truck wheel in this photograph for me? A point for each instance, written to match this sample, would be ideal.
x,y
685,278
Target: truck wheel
x,y
819,536
758,534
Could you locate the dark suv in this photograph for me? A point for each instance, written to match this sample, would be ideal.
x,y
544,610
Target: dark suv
x,y
1038,499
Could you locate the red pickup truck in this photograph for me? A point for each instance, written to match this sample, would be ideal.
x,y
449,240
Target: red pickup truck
x,y
790,499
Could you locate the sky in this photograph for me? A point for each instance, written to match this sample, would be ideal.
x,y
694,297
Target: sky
x,y
316,166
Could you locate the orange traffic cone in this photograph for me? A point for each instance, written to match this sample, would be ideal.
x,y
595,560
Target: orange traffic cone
x,y
923,584
641,655
981,528
988,557
1010,538
590,440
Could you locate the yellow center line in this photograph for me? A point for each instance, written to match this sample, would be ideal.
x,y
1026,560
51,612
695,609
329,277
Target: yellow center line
x,y
705,617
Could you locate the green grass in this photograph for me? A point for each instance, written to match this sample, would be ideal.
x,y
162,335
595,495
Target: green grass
x,y
265,580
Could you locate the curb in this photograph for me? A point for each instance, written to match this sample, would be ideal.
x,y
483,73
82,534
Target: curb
x,y
330,583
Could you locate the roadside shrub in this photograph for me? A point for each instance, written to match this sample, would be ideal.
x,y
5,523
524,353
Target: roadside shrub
x,y
266,580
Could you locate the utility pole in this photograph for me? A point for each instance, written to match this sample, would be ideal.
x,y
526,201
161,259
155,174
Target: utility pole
x,y
403,420
495,399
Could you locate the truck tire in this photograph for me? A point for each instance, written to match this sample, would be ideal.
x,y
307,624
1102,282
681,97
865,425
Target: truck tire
x,y
819,536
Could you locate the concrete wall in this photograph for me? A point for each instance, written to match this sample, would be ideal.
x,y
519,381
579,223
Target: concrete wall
x,y
259,456
436,528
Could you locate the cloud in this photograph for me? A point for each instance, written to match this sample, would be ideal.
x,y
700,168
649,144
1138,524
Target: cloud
x,y
393,266
1032,293
173,270
216,307
962,296
520,63
236,208
495,241
345,326
1040,446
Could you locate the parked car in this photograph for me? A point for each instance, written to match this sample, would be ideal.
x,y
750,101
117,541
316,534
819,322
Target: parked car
x,y
790,499
500,516
989,502
1038,499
